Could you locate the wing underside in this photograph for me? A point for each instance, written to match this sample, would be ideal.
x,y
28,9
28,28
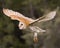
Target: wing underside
x,y
15,15
46,17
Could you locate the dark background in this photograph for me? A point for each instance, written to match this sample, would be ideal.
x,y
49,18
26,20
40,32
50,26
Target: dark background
x,y
12,37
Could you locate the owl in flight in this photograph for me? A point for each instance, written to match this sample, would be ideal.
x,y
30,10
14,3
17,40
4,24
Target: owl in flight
x,y
24,22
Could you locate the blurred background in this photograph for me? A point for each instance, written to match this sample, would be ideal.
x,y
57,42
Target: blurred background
x,y
12,37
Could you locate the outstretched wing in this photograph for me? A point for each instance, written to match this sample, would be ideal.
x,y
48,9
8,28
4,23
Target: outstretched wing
x,y
17,16
47,17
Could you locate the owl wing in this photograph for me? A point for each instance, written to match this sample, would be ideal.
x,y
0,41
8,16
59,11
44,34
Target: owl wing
x,y
46,17
16,15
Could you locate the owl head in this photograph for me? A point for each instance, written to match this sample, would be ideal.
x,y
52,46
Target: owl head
x,y
22,25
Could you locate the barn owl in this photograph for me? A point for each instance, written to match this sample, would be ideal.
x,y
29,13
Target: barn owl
x,y
24,22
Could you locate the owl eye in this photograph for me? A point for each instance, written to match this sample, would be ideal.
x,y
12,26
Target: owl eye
x,y
21,24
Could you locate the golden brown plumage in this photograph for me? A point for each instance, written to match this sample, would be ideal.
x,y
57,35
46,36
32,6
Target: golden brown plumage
x,y
25,20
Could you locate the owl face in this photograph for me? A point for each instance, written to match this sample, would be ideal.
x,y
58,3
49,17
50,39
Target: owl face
x,y
22,25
